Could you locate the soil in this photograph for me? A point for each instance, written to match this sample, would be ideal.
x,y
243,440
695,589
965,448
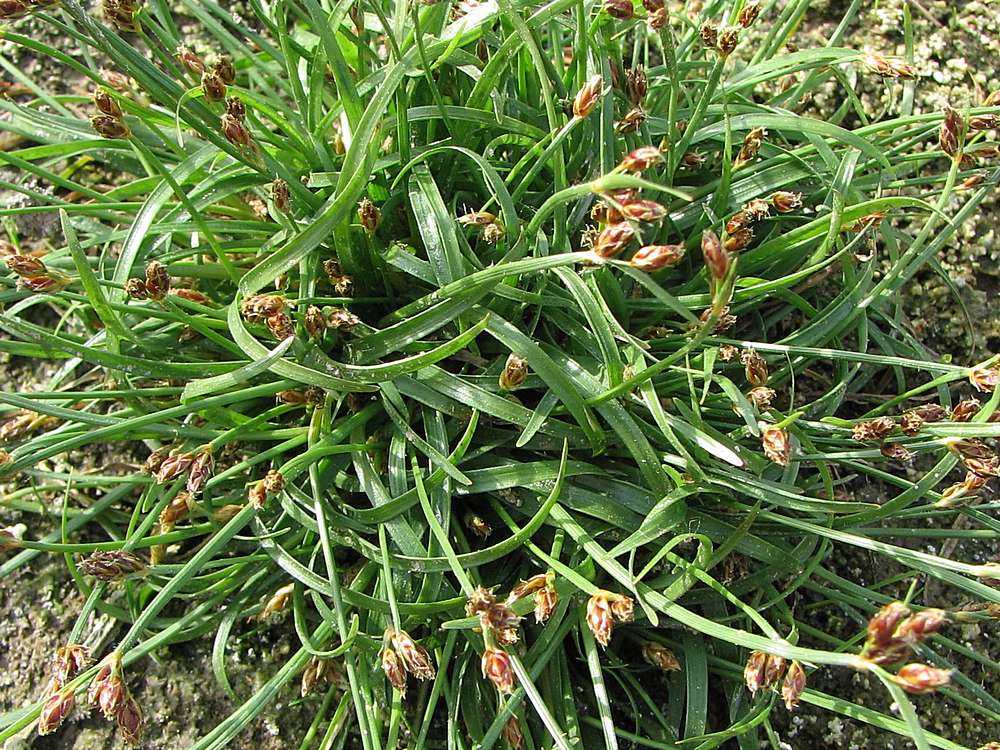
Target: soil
x,y
957,56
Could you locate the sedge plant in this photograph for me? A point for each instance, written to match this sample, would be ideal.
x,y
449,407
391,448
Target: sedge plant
x,y
519,356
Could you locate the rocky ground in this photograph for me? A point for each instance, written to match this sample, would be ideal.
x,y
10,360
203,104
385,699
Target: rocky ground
x,y
957,55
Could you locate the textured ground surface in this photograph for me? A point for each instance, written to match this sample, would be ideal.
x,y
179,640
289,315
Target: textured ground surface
x,y
957,55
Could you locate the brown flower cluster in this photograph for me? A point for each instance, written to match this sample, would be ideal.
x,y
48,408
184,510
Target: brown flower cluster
x,y
764,671
401,655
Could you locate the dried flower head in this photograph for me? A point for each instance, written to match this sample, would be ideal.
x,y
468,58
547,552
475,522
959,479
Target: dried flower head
x,y
514,372
622,607
873,429
478,525
785,202
643,210
110,127
918,679
57,707
480,600
201,470
235,131
887,68
176,510
757,209
748,14
129,720
652,258
273,482
984,378
190,60
106,104
761,397
599,617
112,565
794,684
754,366
497,669
277,601
952,133
392,666
257,496
660,657
545,603
657,19
636,85
226,513
511,733
281,195
620,9
717,259
369,216
632,121
415,658
225,70
710,34
728,39
776,444
108,690
751,147
69,661
587,97
641,159
965,410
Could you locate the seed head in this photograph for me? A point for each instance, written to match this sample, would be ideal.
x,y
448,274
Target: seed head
x,y
111,565
917,627
545,603
755,367
514,373
315,323
11,9
257,496
710,34
26,265
660,657
497,669
369,216
273,482
392,666
414,657
620,9
910,422
653,258
785,202
478,525
69,661
106,104
190,60
599,617
226,513
511,733
641,159
636,85
753,671
224,69
176,510
235,108
480,600
622,607
757,209
277,602
632,121
952,132
109,127
716,257
213,88
728,40
108,690
527,588
932,412
777,446
129,720
886,68
657,19
477,219
58,706
794,684
965,410
202,468
739,240
984,378
643,210
613,240
761,397
873,429
281,195
136,289
751,146
235,131
281,326
918,679
499,617
157,280
587,97
749,14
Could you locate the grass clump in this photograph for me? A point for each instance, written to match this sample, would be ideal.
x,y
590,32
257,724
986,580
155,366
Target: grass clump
x,y
521,354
